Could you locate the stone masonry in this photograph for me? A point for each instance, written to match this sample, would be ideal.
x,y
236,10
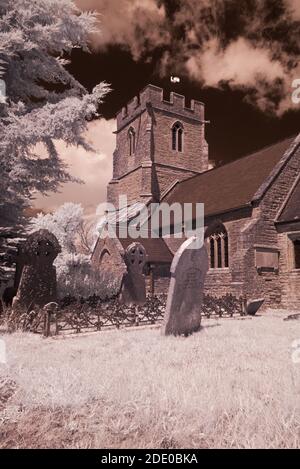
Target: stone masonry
x,y
246,197
154,166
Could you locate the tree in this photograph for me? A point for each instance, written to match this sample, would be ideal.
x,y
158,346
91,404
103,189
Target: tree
x,y
87,237
76,237
43,101
64,223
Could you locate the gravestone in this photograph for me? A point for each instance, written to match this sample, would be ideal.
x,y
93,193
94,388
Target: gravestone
x,y
37,285
253,306
133,288
185,295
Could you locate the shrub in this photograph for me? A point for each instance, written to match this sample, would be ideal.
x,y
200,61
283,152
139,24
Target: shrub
x,y
76,277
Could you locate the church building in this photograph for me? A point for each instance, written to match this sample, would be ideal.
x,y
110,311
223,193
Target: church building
x,y
251,205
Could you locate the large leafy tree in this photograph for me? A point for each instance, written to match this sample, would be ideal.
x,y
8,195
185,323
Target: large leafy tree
x,y
43,102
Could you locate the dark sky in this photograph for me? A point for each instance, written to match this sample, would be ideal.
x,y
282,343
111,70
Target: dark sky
x,y
236,127
134,58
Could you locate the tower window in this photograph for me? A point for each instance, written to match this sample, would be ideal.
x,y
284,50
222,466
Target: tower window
x,y
131,137
218,248
174,138
177,137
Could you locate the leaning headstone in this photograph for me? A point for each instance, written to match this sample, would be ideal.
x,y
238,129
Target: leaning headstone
x,y
253,306
37,285
133,289
185,295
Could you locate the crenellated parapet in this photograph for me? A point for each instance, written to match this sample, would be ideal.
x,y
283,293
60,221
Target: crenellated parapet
x,y
154,95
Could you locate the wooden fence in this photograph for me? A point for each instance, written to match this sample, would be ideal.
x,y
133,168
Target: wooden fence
x,y
94,314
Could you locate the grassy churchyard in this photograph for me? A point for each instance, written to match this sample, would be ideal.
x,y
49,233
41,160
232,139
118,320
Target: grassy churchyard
x,y
234,384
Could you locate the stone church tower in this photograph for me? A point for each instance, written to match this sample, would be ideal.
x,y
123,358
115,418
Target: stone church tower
x,y
158,142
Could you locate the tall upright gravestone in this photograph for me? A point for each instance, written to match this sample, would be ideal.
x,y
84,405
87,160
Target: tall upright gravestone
x,y
133,288
185,295
37,285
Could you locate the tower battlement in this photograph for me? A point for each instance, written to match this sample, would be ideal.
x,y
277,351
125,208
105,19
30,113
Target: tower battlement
x,y
154,95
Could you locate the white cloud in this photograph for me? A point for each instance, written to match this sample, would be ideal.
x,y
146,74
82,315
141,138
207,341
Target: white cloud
x,y
240,64
244,65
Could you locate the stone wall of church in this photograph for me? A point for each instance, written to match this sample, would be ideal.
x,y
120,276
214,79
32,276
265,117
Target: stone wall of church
x,y
123,161
266,283
161,285
129,185
289,276
222,281
194,154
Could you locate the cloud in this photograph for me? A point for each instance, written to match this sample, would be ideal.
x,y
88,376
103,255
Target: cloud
x,y
95,169
294,6
243,65
133,23
240,64
246,44
250,46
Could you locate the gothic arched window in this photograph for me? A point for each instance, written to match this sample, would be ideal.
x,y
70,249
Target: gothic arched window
x,y
131,136
218,248
177,136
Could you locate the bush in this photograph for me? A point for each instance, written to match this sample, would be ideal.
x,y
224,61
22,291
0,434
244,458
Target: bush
x,y
76,277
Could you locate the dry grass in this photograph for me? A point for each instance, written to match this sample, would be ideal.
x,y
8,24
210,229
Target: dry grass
x,y
233,384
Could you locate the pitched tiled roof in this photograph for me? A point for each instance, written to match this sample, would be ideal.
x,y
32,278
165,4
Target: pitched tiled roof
x,y
232,185
156,248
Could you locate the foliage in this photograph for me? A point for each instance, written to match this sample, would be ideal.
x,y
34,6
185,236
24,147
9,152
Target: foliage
x,y
84,281
74,272
29,321
63,223
44,102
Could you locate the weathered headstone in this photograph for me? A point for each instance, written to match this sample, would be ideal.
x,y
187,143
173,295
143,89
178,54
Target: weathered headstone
x,y
133,289
253,306
185,295
38,280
